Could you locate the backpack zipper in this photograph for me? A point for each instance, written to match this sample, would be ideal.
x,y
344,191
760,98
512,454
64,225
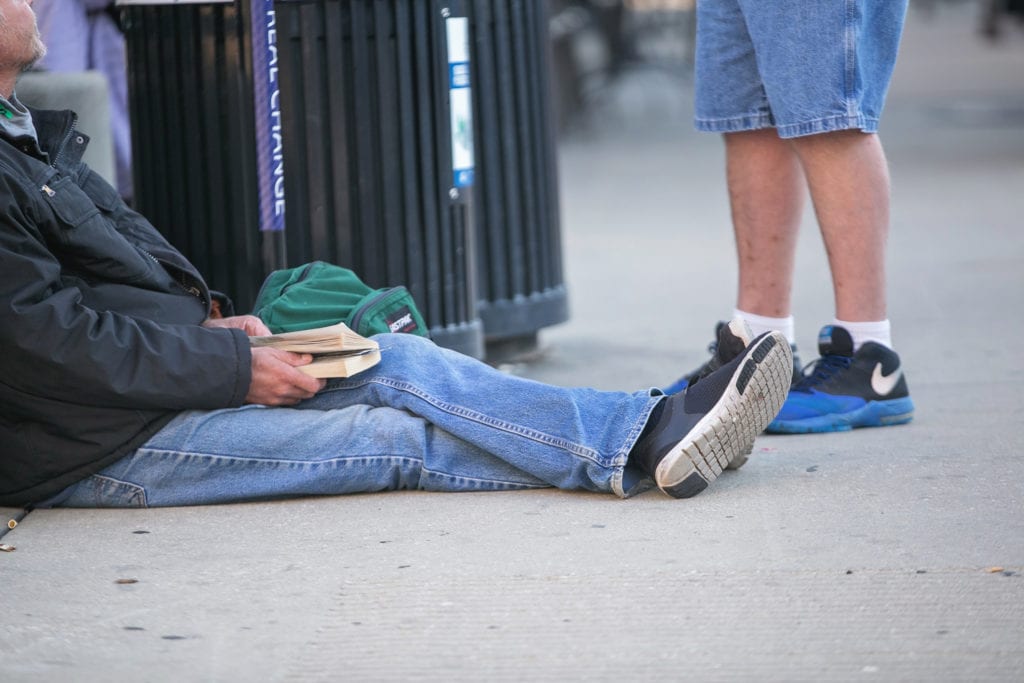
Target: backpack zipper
x,y
358,317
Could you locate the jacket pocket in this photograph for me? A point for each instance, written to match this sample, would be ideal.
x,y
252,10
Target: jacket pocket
x,y
86,240
69,203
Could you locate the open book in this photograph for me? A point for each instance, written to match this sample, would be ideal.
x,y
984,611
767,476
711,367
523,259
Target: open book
x,y
337,350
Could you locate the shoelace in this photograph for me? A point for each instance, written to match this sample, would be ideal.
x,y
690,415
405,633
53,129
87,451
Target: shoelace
x,y
822,370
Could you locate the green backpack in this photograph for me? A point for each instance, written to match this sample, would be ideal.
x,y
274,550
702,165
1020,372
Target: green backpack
x,y
319,294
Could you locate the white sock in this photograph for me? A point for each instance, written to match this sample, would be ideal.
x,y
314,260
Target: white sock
x,y
878,331
759,324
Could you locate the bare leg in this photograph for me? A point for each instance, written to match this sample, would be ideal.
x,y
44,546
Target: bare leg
x,y
766,195
849,183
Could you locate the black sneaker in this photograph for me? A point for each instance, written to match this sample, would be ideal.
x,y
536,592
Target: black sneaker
x,y
842,389
701,431
730,340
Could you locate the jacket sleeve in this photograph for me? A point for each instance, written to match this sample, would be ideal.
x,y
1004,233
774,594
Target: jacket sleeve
x,y
54,345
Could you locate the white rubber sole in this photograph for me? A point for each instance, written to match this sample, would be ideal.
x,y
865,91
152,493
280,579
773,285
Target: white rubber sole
x,y
724,437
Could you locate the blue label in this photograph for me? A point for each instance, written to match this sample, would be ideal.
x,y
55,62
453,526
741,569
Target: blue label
x,y
458,75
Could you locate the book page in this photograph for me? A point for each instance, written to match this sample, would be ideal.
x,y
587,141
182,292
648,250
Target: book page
x,y
333,338
341,365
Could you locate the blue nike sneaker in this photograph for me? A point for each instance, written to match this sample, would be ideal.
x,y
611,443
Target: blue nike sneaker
x,y
842,390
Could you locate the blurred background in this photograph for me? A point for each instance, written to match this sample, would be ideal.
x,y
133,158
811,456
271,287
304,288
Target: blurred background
x,y
588,174
597,44
643,196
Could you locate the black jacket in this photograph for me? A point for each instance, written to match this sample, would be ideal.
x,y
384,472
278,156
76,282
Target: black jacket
x,y
100,336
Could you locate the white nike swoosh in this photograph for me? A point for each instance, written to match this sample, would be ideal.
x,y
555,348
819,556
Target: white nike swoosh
x,y
884,384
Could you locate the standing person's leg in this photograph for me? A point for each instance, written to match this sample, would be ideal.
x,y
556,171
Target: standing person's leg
x,y
429,418
766,198
763,175
858,381
849,183
826,67
820,69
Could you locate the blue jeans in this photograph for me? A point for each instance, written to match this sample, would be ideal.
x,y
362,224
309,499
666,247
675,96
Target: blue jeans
x,y
801,66
424,418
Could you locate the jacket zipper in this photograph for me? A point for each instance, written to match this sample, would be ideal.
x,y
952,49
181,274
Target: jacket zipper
x,y
65,141
180,281
60,152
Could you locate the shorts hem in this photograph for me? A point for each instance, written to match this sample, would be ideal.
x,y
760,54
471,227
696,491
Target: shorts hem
x,y
735,124
866,124
828,124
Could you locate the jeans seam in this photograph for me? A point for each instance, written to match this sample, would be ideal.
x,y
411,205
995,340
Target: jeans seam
x,y
280,461
466,413
480,480
850,54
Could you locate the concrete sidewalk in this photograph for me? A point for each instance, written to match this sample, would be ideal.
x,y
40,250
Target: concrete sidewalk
x,y
891,555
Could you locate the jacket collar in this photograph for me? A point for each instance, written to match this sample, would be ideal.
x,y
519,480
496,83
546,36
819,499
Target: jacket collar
x,y
56,134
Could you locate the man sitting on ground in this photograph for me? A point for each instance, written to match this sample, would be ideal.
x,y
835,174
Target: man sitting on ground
x,y
120,390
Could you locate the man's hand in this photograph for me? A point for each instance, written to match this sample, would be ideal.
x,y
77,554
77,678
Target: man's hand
x,y
250,324
275,379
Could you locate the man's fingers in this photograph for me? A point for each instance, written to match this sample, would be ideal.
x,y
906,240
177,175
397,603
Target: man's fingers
x,y
255,327
297,360
250,324
277,380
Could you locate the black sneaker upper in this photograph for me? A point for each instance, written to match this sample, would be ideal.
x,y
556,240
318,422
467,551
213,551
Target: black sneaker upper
x,y
725,347
674,417
872,373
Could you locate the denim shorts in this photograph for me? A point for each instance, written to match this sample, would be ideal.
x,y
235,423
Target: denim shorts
x,y
800,66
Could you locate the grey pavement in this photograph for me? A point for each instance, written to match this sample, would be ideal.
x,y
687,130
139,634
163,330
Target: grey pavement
x,y
890,554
